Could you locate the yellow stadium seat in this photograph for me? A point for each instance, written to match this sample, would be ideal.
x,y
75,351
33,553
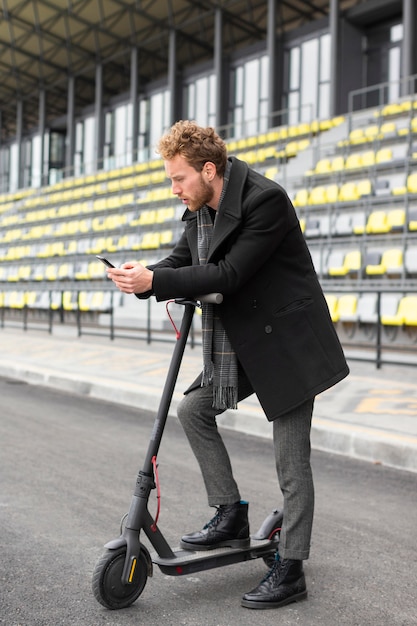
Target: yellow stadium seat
x,y
356,136
396,220
364,188
353,161
323,166
331,300
166,237
348,192
412,183
70,301
368,158
391,264
301,197
351,264
338,164
412,220
406,314
318,195
346,307
377,223
384,155
332,193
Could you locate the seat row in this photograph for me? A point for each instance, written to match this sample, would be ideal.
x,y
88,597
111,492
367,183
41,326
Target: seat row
x,y
358,223
354,161
101,301
396,309
353,263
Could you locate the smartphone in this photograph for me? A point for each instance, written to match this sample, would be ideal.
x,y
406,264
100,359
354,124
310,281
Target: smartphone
x,y
105,261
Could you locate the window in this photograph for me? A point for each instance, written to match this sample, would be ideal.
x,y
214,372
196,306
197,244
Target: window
x,y
249,102
308,90
154,120
201,100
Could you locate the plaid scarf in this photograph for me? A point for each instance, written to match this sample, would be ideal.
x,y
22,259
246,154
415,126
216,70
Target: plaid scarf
x,y
219,359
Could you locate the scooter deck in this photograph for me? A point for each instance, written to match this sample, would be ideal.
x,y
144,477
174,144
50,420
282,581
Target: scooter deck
x,y
188,561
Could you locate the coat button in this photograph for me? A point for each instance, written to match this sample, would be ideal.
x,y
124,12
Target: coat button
x,y
268,329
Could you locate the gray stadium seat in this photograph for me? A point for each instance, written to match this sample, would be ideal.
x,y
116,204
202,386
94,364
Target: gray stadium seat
x,y
410,261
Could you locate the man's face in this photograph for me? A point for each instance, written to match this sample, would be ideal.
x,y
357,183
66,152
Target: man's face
x,y
189,185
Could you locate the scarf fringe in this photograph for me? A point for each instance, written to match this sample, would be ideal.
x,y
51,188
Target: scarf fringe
x,y
224,397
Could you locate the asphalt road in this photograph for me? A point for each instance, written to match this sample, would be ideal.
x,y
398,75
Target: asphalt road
x,y
67,469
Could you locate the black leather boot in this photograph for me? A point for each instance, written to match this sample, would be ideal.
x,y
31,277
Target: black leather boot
x,y
229,528
284,584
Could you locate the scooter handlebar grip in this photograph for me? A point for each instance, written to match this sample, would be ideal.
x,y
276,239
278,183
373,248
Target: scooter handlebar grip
x,y
211,298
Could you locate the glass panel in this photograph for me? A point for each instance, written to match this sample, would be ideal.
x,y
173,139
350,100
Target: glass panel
x,y
397,32
325,42
201,108
120,136
309,79
14,167
251,108
89,145
293,105
36,161
394,60
294,68
324,101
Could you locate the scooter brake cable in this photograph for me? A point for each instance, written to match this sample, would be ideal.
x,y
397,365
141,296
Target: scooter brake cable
x,y
158,493
177,332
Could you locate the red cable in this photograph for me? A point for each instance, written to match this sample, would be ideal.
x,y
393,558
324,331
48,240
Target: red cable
x,y
158,493
177,332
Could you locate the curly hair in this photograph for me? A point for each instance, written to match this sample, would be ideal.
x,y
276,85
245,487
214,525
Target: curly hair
x,y
196,144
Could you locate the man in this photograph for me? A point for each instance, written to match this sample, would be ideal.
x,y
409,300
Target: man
x,y
272,335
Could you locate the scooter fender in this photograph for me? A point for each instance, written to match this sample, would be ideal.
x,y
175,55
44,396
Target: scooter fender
x,y
121,542
270,526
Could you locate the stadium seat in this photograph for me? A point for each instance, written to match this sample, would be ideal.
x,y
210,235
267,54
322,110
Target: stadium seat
x,y
323,166
412,183
377,223
348,192
346,307
353,161
334,260
350,266
301,197
396,220
317,195
312,227
391,264
406,314
331,300
366,310
412,220
338,164
359,223
410,261
316,257
384,155
343,224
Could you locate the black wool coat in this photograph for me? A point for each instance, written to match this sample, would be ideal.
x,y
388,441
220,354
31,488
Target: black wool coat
x,y
274,311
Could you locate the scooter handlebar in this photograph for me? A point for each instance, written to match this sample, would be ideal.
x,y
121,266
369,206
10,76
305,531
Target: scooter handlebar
x,y
211,298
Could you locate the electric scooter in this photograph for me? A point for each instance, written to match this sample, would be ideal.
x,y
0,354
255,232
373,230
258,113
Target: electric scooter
x,y
121,573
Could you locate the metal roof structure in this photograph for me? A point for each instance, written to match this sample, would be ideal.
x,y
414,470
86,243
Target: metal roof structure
x,y
44,42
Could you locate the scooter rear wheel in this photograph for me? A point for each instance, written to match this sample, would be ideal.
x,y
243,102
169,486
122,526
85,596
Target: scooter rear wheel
x,y
107,583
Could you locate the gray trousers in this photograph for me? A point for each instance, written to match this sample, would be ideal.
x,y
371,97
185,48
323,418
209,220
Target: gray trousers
x,y
291,433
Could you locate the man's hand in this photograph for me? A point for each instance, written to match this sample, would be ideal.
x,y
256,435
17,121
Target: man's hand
x,y
131,278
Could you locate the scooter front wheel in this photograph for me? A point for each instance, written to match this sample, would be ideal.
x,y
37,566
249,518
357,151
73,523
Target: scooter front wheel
x,y
107,583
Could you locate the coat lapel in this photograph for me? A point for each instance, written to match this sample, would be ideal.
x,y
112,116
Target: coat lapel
x,y
230,214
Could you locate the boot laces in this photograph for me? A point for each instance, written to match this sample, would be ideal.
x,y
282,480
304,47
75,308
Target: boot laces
x,y
215,520
275,569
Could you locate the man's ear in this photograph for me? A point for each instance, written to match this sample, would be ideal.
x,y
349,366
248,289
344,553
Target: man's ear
x,y
209,170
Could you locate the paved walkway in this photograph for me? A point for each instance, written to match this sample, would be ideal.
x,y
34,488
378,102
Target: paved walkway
x,y
371,415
